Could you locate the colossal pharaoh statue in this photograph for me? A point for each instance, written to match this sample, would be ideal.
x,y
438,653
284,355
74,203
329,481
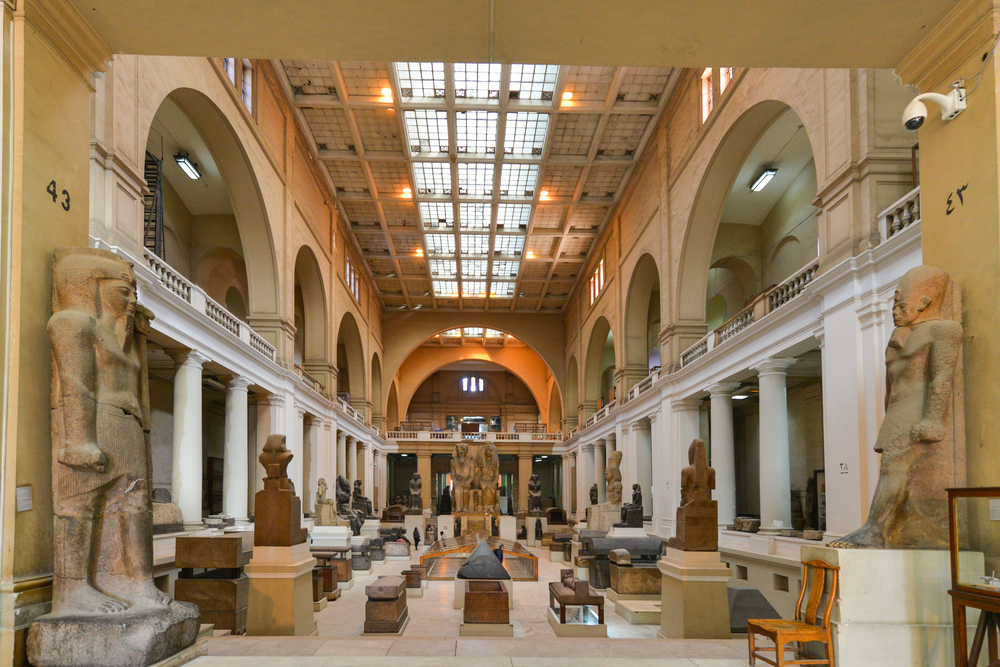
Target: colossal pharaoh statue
x,y
463,473
922,435
487,478
105,607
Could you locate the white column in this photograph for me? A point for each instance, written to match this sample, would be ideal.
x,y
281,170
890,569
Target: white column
x,y
600,464
567,486
586,478
235,465
663,473
312,443
341,457
724,449
687,427
328,457
188,458
295,441
641,437
775,467
270,420
352,459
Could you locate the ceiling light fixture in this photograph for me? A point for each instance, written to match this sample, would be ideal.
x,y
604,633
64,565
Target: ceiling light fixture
x,y
187,166
418,306
407,192
386,92
420,252
531,254
739,398
544,193
763,179
567,95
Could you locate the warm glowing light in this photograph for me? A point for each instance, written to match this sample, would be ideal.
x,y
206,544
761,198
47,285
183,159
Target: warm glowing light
x,y
567,95
420,252
407,191
387,92
531,254
545,193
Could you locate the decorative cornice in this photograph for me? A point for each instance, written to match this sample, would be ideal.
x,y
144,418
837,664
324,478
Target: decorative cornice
x,y
71,36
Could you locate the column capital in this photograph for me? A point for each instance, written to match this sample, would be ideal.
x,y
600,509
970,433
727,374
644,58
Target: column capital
x,y
724,389
641,425
774,366
186,357
610,438
588,447
326,423
273,400
341,435
351,439
300,412
652,417
685,404
239,382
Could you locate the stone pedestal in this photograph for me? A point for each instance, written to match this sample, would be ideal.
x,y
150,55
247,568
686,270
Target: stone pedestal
x,y
397,551
411,521
621,531
508,528
486,612
385,610
694,600
460,591
446,526
530,524
604,516
331,536
899,616
281,591
370,527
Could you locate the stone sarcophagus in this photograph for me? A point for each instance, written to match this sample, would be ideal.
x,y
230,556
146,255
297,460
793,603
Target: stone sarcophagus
x,y
385,610
486,602
628,580
640,550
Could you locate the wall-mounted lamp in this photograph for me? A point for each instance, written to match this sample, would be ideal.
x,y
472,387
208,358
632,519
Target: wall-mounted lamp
x,y
763,179
187,166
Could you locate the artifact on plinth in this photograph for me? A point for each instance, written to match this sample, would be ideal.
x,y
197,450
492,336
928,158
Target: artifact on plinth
x,y
280,571
475,474
463,472
106,610
482,563
385,610
694,600
488,479
606,515
416,501
593,494
486,609
535,496
632,512
361,502
326,509
922,436
344,509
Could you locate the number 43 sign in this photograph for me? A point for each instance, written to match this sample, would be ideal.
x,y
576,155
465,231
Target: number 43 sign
x,y
52,190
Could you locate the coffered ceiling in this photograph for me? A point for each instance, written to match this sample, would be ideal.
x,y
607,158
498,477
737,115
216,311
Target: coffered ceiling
x,y
476,186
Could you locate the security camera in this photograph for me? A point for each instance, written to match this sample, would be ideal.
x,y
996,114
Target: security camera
x,y
951,105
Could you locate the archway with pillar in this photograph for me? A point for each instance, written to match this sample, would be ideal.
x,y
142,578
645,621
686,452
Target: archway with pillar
x,y
351,363
642,322
599,370
378,411
312,322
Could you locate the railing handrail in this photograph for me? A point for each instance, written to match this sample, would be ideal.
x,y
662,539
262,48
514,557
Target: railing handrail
x,y
489,436
899,215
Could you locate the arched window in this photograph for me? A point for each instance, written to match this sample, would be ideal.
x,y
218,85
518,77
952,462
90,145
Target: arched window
x,y
473,384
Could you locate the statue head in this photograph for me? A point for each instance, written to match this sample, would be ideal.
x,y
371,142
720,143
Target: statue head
x,y
100,283
275,459
613,472
919,296
636,487
321,484
357,484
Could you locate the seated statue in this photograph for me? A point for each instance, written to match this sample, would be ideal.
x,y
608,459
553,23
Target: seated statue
x,y
325,508
632,512
360,501
535,496
344,510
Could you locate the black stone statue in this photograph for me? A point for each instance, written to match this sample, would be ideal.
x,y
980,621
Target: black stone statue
x,y
344,510
593,494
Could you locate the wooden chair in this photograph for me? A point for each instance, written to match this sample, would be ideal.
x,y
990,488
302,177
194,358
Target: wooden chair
x,y
804,628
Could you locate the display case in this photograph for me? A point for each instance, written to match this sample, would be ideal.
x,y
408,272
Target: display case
x,y
974,542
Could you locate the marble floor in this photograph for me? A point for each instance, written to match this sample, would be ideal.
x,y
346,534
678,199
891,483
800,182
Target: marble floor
x,y
432,636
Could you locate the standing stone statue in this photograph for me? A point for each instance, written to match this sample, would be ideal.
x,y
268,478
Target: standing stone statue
x,y
697,525
593,494
613,476
922,437
416,501
344,509
463,472
487,479
535,496
105,607
444,504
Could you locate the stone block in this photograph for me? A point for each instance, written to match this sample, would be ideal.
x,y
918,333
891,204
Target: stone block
x,y
620,556
215,551
630,580
486,602
214,594
694,599
385,616
278,522
386,588
397,550
412,578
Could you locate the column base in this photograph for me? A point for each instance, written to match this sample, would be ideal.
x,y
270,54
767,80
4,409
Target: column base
x,y
694,600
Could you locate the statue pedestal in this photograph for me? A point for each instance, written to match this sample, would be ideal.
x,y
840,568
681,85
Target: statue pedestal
x,y
621,531
694,602
604,516
331,536
411,521
446,526
508,528
460,591
281,591
370,527
903,615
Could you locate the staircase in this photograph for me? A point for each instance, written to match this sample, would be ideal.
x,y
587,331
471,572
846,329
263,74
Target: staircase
x,y
153,205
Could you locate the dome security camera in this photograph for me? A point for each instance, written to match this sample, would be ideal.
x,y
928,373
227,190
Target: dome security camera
x,y
951,105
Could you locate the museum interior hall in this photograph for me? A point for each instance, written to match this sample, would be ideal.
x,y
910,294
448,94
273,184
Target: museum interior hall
x,y
504,333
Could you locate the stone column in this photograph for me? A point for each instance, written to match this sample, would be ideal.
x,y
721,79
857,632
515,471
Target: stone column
x,y
723,449
663,474
586,478
312,464
270,419
567,484
296,442
642,437
328,459
352,459
524,468
424,468
188,458
600,465
236,459
775,467
341,457
687,427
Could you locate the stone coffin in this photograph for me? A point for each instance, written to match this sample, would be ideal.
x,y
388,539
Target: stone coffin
x,y
385,610
361,558
635,581
376,549
599,548
603,516
486,602
397,551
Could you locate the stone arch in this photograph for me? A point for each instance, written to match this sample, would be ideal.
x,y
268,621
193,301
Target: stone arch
x,y
572,388
350,360
601,336
239,177
638,307
376,387
311,336
555,410
392,408
785,260
220,270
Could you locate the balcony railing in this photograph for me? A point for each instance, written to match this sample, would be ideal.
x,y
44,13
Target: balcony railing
x,y
643,385
762,305
351,412
456,436
601,414
310,381
900,215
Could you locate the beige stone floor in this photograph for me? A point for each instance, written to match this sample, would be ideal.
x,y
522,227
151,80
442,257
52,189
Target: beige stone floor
x,y
432,636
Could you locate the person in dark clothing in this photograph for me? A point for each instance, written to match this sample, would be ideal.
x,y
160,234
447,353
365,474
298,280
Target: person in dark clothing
x,y
416,537
499,552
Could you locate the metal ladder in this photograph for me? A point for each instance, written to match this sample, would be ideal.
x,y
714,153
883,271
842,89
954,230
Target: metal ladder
x,y
153,205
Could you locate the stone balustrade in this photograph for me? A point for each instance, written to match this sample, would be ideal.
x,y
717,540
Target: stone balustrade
x,y
900,215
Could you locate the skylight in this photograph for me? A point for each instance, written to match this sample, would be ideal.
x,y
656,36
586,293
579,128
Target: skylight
x,y
426,130
476,132
432,178
508,244
475,244
437,214
474,288
518,180
525,133
474,268
477,80
503,268
502,289
446,288
533,82
475,179
475,216
473,332
440,244
444,268
421,79
513,216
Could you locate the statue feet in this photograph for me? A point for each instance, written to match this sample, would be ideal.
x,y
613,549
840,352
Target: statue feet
x,y
865,537
146,594
80,598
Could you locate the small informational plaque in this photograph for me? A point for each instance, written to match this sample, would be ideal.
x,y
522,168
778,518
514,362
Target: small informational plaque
x,y
994,509
24,499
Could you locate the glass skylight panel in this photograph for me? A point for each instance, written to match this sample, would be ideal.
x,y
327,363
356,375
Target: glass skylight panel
x,y
513,216
478,80
508,244
443,268
525,133
475,244
437,214
473,332
505,268
475,216
476,131
452,333
441,244
446,288
493,333
474,288
502,289
432,178
518,180
421,79
533,82
426,130
473,268
475,179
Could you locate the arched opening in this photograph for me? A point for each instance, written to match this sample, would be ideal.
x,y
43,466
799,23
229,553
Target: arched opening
x,y
555,410
350,363
572,394
392,409
599,387
642,322
378,415
311,320
235,303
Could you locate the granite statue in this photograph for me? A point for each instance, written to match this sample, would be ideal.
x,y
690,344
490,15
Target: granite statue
x,y
463,474
697,526
488,478
632,512
344,509
326,509
416,487
922,436
613,477
444,504
105,607
278,519
593,494
361,502
535,496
